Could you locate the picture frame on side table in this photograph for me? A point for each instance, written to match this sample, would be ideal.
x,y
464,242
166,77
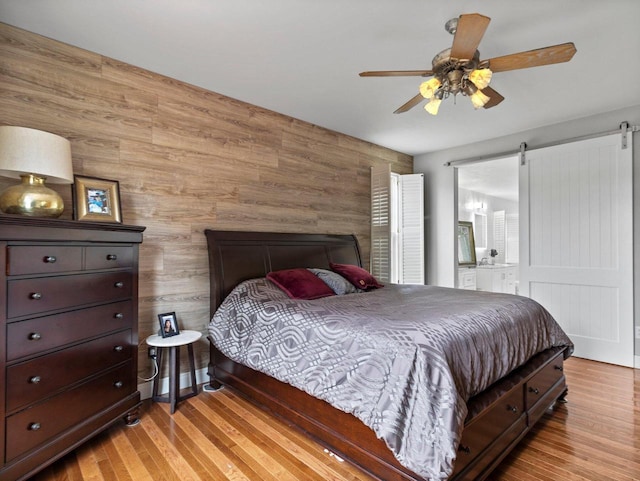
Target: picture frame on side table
x,y
168,324
96,200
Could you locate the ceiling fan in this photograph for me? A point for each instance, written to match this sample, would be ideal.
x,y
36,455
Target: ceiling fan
x,y
459,70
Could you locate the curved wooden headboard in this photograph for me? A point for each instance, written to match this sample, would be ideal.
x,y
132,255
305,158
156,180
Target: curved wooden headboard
x,y
235,256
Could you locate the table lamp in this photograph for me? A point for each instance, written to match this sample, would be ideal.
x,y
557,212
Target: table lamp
x,y
34,156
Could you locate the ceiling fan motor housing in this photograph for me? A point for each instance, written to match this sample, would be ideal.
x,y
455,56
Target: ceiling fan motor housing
x,y
453,72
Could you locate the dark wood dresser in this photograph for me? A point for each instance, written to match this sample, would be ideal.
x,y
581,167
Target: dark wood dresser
x,y
69,336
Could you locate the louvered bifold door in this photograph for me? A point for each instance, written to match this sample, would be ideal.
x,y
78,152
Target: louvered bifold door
x,y
380,222
412,229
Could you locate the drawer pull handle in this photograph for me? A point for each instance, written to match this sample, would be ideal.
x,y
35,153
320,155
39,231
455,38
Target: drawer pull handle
x,y
34,426
118,384
34,379
36,296
558,368
118,315
119,284
513,409
464,449
35,336
534,390
49,259
112,257
118,348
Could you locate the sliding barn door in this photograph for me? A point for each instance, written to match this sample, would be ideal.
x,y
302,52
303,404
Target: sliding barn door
x,y
576,242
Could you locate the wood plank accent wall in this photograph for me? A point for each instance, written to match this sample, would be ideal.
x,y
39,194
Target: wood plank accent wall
x,y
186,159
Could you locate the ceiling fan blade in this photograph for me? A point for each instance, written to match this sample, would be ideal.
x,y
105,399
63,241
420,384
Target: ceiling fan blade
x,y
494,97
410,104
469,32
533,58
397,73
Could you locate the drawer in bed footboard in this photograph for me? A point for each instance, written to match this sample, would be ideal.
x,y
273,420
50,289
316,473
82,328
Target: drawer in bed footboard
x,y
544,388
506,417
480,466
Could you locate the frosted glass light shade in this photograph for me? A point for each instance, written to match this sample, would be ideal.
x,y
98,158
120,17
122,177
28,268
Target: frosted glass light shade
x,y
481,77
25,151
428,88
433,106
478,99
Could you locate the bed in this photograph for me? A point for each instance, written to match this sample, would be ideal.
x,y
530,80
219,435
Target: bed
x,y
494,419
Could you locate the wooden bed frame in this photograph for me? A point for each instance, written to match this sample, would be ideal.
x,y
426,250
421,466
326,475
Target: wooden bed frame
x,y
498,417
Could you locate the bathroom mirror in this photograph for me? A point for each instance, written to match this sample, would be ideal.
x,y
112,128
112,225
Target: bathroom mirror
x,y
466,244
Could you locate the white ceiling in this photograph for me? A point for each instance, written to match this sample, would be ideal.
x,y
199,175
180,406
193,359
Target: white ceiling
x,y
302,57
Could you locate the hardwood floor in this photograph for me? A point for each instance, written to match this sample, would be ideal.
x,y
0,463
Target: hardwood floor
x,y
220,436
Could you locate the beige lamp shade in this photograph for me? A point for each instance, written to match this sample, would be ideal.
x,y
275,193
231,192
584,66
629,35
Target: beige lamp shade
x,y
35,157
25,151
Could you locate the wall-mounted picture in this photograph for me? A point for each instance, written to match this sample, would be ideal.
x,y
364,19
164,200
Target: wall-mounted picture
x,y
96,199
168,324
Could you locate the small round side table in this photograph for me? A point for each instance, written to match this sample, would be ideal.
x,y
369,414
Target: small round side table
x,y
173,343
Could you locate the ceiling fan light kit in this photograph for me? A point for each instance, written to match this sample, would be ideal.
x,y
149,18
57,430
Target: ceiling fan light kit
x,y
459,69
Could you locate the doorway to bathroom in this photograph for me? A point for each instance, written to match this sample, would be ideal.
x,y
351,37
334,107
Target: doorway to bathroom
x,y
488,198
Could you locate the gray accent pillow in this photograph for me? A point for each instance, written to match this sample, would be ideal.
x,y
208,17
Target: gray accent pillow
x,y
335,281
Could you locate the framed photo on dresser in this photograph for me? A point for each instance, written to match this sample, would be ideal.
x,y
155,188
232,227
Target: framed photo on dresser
x,y
96,200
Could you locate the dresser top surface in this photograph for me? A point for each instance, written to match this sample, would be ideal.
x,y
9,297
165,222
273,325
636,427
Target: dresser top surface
x,y
17,228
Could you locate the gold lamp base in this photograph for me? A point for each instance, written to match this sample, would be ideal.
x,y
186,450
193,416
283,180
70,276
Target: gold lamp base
x,y
31,198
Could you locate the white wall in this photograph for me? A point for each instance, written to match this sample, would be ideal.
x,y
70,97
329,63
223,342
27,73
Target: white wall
x,y
441,197
440,200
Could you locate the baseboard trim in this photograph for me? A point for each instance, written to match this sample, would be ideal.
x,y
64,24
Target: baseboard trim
x,y
146,388
637,362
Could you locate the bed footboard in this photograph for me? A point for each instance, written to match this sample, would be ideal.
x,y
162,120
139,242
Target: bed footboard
x,y
498,418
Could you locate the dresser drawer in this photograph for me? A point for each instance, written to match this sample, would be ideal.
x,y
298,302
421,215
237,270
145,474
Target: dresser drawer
x,y
26,338
482,432
106,257
41,377
31,427
31,296
43,259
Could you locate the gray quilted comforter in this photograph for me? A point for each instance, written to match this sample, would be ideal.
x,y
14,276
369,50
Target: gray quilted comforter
x,y
402,359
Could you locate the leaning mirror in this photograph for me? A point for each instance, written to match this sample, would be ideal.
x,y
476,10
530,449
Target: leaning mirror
x,y
466,244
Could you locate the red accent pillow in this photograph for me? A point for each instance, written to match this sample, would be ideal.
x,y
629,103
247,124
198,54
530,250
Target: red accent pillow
x,y
358,276
300,284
